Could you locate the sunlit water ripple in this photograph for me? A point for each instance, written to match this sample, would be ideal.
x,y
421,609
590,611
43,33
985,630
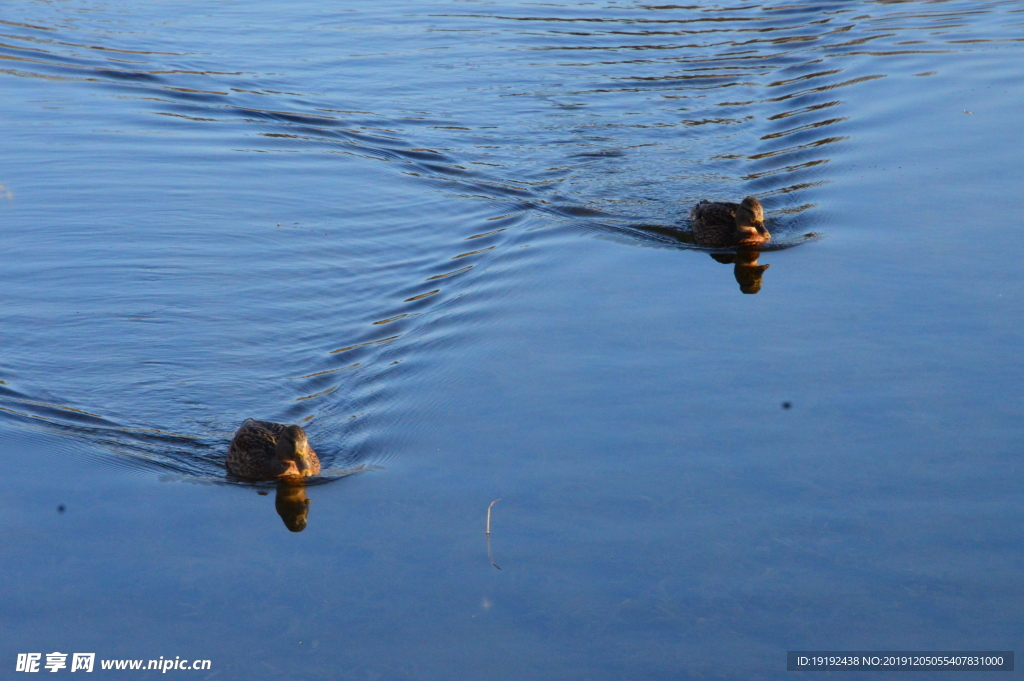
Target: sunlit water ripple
x,y
279,211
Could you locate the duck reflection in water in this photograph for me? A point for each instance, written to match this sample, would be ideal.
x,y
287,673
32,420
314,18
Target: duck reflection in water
x,y
292,505
747,270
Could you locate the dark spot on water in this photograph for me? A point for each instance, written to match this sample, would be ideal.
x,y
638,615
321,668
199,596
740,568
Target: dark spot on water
x,y
61,508
262,492
787,405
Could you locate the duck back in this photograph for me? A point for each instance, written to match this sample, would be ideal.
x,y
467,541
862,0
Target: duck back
x,y
253,451
714,223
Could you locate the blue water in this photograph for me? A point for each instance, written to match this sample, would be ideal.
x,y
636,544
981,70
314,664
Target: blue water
x,y
450,240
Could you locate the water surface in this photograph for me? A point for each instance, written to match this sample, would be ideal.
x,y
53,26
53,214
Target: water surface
x,y
450,239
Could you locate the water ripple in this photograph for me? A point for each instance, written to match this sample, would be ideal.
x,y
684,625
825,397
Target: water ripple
x,y
390,137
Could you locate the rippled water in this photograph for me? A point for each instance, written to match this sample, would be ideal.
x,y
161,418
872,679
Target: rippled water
x,y
451,240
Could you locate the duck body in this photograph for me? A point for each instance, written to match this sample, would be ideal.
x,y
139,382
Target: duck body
x,y
727,225
263,450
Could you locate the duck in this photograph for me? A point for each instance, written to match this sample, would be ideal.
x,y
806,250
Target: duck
x,y
263,450
727,225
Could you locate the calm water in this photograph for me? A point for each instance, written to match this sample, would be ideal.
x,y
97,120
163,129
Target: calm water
x,y
450,239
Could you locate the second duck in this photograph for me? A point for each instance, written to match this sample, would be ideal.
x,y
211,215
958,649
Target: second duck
x,y
263,450
728,225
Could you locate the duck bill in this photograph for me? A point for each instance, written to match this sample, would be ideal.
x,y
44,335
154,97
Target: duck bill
x,y
303,462
752,235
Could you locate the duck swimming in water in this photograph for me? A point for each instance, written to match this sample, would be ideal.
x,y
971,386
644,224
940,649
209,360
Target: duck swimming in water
x,y
262,450
724,225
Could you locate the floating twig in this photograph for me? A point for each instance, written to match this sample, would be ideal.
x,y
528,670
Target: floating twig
x,y
489,532
489,514
489,553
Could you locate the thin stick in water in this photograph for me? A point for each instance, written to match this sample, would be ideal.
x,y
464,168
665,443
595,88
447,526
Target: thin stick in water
x,y
489,556
489,514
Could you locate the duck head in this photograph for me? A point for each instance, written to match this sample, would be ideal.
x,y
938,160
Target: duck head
x,y
293,449
750,230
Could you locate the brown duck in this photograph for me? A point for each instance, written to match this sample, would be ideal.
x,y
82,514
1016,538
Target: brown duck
x,y
725,225
262,450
